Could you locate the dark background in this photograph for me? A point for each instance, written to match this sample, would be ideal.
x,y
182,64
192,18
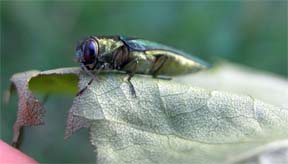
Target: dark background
x,y
42,35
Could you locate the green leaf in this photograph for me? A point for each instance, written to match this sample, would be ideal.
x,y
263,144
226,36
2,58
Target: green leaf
x,y
168,121
56,81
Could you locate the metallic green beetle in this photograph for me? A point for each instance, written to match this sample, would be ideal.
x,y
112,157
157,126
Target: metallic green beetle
x,y
134,56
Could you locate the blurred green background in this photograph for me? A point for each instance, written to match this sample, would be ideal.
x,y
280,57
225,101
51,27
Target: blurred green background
x,y
42,35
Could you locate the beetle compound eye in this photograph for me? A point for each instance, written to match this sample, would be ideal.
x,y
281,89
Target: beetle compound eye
x,y
90,51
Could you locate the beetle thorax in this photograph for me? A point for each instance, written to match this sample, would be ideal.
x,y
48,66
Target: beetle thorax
x,y
112,52
107,45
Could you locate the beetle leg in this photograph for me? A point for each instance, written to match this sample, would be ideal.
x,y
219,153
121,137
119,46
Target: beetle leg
x,y
160,61
102,67
88,72
83,89
133,66
91,80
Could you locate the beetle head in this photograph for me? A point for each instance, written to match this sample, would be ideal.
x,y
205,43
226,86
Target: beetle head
x,y
87,52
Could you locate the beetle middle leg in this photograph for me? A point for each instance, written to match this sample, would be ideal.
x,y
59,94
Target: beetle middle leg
x,y
132,65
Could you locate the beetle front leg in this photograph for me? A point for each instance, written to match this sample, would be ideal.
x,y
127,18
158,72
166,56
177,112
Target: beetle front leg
x,y
92,79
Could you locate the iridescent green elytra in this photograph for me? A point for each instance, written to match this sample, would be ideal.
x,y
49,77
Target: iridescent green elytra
x,y
134,56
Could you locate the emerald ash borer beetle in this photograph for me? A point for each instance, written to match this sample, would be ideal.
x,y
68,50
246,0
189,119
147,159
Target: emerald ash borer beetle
x,y
134,56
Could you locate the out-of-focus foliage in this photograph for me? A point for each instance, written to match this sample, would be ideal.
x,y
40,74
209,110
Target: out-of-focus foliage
x,y
42,35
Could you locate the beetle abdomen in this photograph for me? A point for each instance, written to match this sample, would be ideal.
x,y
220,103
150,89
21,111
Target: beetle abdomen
x,y
171,61
175,64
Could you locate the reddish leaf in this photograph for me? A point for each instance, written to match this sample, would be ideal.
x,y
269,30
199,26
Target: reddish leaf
x,y
30,109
